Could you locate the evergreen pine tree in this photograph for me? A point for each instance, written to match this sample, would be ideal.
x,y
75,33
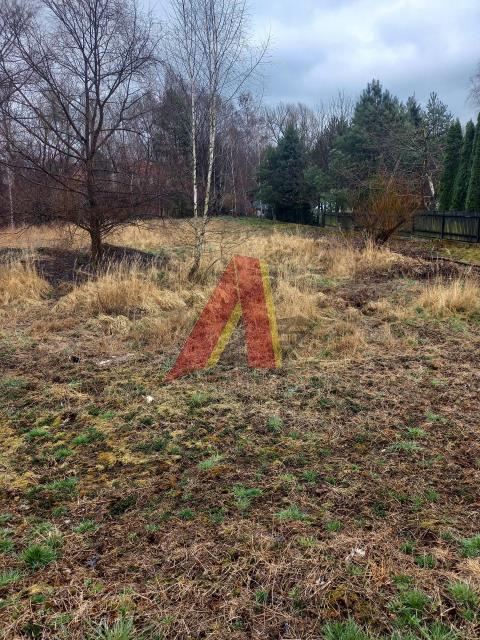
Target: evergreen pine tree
x,y
379,135
282,178
451,165
463,176
473,195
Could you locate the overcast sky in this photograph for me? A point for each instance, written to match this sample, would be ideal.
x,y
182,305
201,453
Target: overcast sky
x,y
412,46
319,47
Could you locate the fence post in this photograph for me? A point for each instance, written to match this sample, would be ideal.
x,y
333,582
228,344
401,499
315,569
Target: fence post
x,y
443,225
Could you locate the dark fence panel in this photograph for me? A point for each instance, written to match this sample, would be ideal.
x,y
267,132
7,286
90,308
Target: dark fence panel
x,y
464,227
451,226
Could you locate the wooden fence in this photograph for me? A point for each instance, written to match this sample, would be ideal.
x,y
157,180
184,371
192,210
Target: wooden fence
x,y
464,227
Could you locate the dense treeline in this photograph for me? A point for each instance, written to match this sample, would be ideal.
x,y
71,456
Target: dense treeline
x,y
379,139
460,183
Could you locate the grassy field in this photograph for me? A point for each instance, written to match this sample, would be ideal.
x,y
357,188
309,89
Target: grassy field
x,y
335,498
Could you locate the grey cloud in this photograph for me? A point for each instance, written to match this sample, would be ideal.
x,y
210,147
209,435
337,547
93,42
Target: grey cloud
x,y
413,46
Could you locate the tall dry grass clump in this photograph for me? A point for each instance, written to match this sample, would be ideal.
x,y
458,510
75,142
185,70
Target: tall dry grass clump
x,y
54,236
124,289
446,298
343,260
20,282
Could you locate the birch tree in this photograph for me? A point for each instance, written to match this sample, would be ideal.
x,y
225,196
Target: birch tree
x,y
210,41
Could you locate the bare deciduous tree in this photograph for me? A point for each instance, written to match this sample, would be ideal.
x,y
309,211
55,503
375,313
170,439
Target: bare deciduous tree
x,y
211,47
76,72
389,204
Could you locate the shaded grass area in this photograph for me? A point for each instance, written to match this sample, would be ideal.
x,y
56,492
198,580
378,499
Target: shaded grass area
x,y
335,498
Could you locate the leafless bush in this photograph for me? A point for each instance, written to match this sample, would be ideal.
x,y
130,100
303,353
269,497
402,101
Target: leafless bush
x,y
388,204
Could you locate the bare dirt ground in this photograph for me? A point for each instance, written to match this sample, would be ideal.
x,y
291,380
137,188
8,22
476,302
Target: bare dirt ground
x,y
239,503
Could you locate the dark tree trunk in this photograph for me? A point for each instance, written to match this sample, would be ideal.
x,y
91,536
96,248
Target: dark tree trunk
x,y
96,244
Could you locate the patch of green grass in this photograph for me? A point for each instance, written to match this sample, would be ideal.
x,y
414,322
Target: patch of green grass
x,y
274,424
107,415
88,437
5,518
463,594
186,514
292,514
310,477
151,446
87,526
152,528
288,478
261,596
122,629
410,606
470,547
307,541
38,556
244,496
345,630
8,577
434,417
326,403
408,446
298,604
12,388
57,490
408,547
380,509
334,526
402,581
415,432
6,544
47,533
198,399
217,515
62,453
435,631
211,462
426,561
37,434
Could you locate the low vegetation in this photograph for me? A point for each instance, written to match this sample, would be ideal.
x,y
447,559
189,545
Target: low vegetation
x,y
335,498
20,282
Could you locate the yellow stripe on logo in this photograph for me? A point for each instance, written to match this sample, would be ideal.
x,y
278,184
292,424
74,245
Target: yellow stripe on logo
x,y
225,336
277,350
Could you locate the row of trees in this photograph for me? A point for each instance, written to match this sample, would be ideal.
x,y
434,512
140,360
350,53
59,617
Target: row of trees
x,y
107,117
460,184
356,155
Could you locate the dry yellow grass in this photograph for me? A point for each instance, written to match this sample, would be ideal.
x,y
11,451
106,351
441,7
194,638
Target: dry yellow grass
x,y
131,302
343,260
446,298
121,290
30,237
20,282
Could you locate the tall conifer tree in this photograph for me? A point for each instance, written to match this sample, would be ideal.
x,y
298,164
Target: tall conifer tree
x,y
282,178
463,176
473,195
451,165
